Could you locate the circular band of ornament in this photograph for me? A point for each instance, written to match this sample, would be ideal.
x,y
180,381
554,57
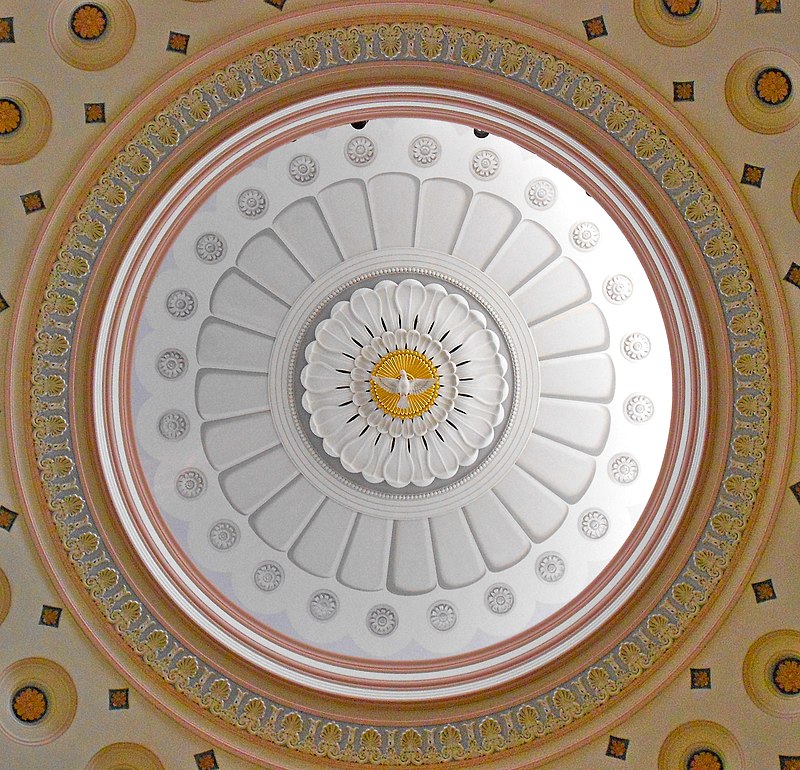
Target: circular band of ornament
x,y
759,90
796,196
42,701
677,23
25,120
771,673
700,745
92,36
572,699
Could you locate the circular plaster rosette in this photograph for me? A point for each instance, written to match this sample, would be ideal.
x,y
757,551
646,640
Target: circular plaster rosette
x,y
771,673
389,554
701,744
42,701
677,23
405,383
130,756
760,91
92,36
25,120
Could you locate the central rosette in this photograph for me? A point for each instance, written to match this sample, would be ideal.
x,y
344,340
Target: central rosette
x,y
404,383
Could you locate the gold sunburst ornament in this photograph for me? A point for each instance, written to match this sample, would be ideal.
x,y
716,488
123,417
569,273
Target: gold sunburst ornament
x,y
404,383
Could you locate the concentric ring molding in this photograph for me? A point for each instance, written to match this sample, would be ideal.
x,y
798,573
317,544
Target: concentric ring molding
x,y
130,756
744,104
58,688
676,31
757,668
563,705
691,737
5,596
35,126
111,47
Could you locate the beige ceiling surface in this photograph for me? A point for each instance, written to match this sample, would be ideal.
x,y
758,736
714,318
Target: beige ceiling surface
x,y
763,737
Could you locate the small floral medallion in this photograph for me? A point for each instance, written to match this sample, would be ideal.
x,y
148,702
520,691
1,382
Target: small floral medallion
x,y
485,164
10,116
551,567
638,408
29,704
786,676
585,235
210,247
88,22
635,346
268,576
705,759
773,86
623,469
382,620
323,605
360,151
252,203
618,288
425,151
541,194
442,616
173,425
181,304
680,8
500,599
593,524
223,535
171,364
190,484
303,169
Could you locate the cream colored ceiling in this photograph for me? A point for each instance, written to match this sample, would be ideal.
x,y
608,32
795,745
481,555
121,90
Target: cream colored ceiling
x,y
707,62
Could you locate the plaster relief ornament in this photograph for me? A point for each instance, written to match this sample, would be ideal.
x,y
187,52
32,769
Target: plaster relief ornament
x,y
252,203
585,235
485,164
404,403
224,535
360,151
210,248
181,304
268,576
442,616
425,150
541,194
636,346
190,484
323,605
382,620
171,364
303,169
500,599
593,524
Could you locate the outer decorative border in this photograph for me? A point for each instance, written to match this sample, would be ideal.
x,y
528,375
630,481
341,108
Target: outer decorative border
x,y
527,66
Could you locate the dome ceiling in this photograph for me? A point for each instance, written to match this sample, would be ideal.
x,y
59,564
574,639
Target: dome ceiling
x,y
399,393
376,424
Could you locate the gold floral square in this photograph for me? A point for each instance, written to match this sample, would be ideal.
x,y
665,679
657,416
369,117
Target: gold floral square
x,y
178,42
206,760
617,747
753,175
94,112
790,763
795,279
50,616
7,516
118,699
277,3
7,29
595,27
701,678
683,91
32,201
764,591
768,6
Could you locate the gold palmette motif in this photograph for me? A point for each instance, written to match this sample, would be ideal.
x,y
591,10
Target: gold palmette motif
x,y
232,702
